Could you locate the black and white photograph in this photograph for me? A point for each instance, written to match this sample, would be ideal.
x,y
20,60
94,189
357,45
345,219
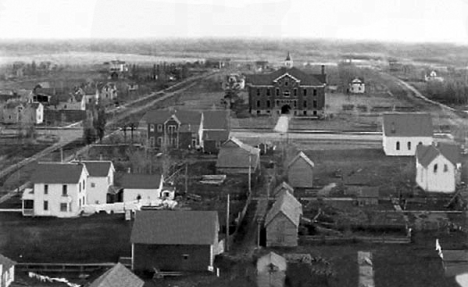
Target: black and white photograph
x,y
242,143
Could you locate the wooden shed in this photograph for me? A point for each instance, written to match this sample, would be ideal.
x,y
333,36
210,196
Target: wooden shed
x,y
271,270
283,186
282,221
300,171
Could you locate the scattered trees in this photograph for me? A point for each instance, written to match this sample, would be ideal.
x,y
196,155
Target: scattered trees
x,y
450,91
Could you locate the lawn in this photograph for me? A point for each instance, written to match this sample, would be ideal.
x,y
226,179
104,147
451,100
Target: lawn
x,y
98,238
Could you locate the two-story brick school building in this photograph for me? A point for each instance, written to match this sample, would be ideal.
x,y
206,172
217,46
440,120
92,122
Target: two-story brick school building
x,y
287,90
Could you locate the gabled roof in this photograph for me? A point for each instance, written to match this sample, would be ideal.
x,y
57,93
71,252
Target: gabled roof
x,y
283,186
139,181
288,205
357,80
302,155
425,154
407,124
164,227
57,173
236,154
269,260
215,135
98,168
267,79
215,120
161,116
118,276
6,262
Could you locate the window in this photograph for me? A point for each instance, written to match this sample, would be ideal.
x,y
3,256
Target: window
x,y
46,189
286,83
435,168
445,168
419,143
304,113
258,92
268,104
46,205
258,112
63,207
94,185
409,145
152,141
277,91
295,103
277,103
295,92
172,129
185,256
79,186
159,141
286,93
258,104
397,145
79,202
160,128
315,92
64,190
151,128
305,104
314,103
305,92
268,92
194,143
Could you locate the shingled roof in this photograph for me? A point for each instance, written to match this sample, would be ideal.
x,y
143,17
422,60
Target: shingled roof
x,y
175,227
61,173
139,181
425,154
98,168
268,79
407,125
288,205
118,276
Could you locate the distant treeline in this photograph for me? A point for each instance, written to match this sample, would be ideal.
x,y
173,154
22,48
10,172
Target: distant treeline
x,y
450,91
247,48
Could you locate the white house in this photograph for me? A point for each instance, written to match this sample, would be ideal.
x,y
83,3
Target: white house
x,y
141,186
438,168
357,86
403,132
59,190
100,179
7,271
433,77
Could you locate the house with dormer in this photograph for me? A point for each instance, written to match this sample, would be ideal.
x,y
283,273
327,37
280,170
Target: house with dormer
x,y
287,90
177,129
438,167
403,132
357,86
59,190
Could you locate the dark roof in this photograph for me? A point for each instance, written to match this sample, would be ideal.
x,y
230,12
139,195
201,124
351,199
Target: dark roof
x,y
267,79
6,262
117,276
368,192
407,124
66,173
216,135
139,181
160,116
455,255
215,120
236,154
426,154
175,227
98,168
287,204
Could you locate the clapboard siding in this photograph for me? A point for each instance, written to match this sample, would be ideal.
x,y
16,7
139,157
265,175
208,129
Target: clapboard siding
x,y
281,232
300,174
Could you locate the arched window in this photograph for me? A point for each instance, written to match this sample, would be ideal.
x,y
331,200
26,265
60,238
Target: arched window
x,y
397,145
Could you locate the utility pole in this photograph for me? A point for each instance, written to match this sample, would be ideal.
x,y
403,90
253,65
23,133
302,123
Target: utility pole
x,y
227,223
186,177
250,173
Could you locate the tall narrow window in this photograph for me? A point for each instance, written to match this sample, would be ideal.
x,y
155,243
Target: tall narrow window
x,y
46,189
268,92
258,92
295,92
445,168
315,92
315,103
46,205
64,190
397,145
305,104
160,128
305,92
409,145
151,128
268,104
277,91
435,168
258,104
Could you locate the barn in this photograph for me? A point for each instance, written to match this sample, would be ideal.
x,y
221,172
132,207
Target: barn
x,y
300,171
282,221
174,240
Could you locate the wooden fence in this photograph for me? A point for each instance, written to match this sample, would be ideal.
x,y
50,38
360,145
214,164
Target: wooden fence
x,y
354,239
62,267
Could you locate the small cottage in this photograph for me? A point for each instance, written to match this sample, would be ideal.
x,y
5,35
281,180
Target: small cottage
x,y
175,240
146,187
100,181
214,130
282,221
403,132
300,171
271,270
7,271
283,186
235,157
118,276
357,86
438,168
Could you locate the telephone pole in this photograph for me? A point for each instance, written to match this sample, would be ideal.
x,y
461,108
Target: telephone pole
x,y
227,223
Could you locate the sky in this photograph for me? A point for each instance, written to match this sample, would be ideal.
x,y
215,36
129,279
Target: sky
x,y
382,20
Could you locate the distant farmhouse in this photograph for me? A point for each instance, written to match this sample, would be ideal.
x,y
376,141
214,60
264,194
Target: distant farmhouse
x,y
287,90
403,132
357,86
433,77
116,69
